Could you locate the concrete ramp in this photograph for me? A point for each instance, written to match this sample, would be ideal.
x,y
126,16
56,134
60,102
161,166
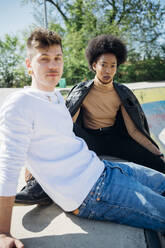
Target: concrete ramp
x,y
152,99
162,136
49,226
42,227
155,112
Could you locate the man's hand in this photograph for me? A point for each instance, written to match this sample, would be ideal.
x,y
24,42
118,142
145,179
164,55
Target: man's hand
x,y
10,242
6,240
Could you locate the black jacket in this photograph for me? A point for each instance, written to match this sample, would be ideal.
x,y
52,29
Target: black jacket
x,y
128,99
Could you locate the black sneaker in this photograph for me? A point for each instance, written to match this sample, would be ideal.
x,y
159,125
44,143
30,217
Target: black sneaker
x,y
32,193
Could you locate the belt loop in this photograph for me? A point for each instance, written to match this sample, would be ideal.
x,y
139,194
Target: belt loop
x,y
100,128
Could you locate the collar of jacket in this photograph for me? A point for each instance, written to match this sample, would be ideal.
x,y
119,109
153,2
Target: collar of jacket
x,y
89,83
77,95
80,90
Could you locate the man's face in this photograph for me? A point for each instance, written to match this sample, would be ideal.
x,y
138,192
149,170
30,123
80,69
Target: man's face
x,y
46,67
105,67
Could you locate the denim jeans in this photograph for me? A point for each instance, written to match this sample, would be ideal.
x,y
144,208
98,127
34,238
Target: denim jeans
x,y
127,194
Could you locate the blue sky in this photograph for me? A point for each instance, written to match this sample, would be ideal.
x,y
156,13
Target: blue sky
x,y
14,17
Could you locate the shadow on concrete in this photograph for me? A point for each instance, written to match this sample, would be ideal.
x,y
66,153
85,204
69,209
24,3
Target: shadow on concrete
x,y
76,232
40,217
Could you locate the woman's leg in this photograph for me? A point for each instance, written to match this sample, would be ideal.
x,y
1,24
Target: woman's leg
x,y
129,149
124,147
93,141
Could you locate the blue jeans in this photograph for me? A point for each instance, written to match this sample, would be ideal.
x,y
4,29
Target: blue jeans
x,y
127,194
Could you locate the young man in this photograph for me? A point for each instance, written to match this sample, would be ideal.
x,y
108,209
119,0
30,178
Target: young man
x,y
107,115
36,128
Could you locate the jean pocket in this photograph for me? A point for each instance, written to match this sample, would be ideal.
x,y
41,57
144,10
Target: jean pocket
x,y
123,167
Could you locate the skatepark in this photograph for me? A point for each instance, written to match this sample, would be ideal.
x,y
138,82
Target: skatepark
x,y
49,226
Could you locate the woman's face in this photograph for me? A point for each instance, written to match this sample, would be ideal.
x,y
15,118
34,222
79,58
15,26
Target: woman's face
x,y
105,67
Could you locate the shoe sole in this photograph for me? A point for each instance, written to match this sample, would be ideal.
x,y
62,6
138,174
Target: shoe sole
x,y
27,202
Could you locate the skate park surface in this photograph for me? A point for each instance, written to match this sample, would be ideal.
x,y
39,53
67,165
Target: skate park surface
x,y
49,226
152,98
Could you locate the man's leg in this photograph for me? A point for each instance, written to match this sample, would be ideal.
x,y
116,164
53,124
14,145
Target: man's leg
x,y
127,195
32,192
28,175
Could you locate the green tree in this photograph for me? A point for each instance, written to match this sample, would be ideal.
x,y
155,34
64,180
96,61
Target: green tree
x,y
12,73
142,20
137,22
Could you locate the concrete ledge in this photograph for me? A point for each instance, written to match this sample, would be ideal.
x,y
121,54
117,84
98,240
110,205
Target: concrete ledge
x,y
145,85
50,227
43,227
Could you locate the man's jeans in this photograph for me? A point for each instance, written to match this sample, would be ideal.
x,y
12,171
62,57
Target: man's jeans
x,y
127,194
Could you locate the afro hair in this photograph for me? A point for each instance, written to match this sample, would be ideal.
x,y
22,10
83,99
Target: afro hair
x,y
105,44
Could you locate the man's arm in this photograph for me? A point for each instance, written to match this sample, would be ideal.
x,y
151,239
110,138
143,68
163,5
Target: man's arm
x,y
6,240
16,121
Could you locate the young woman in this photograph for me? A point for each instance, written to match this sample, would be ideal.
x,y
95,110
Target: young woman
x,y
107,114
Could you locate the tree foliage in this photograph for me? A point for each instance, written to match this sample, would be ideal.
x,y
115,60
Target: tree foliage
x,y
12,73
138,22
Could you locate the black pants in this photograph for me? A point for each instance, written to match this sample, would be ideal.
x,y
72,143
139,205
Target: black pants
x,y
114,143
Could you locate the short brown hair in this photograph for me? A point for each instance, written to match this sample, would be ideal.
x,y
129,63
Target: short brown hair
x,y
42,38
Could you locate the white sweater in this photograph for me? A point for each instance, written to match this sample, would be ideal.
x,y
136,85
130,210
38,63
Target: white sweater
x,y
39,133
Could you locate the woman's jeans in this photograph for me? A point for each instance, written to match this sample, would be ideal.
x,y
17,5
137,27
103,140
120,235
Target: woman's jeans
x,y
127,194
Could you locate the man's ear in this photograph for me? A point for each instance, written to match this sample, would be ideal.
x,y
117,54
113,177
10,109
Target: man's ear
x,y
28,65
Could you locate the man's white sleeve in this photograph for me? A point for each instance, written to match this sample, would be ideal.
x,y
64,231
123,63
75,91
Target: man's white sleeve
x,y
15,136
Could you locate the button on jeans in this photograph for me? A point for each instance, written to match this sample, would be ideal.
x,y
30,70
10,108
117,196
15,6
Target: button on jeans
x,y
127,194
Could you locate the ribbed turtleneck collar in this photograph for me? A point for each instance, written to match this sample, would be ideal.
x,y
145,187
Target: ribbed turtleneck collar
x,y
104,87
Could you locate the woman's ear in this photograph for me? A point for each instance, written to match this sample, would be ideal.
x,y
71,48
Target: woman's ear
x,y
94,66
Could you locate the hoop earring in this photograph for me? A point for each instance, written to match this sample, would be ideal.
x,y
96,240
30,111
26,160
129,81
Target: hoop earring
x,y
30,72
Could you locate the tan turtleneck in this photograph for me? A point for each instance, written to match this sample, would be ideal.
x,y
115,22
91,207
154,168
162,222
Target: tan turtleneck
x,y
100,106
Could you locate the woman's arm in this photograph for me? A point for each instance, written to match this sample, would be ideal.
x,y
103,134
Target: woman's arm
x,y
74,118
